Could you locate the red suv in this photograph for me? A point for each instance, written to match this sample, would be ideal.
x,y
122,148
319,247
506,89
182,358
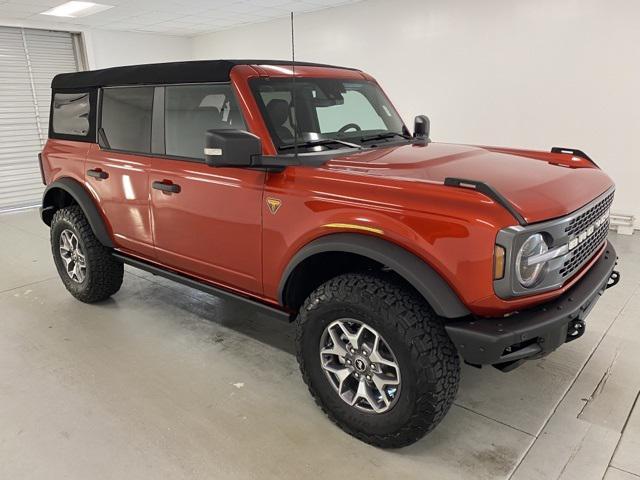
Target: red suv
x,y
298,188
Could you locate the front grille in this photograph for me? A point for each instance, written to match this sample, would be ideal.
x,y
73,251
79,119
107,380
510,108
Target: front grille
x,y
582,221
580,234
583,252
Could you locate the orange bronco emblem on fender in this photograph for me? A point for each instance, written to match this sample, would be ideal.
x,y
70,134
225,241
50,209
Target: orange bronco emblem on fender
x,y
273,204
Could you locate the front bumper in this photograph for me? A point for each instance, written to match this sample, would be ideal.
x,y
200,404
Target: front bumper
x,y
507,341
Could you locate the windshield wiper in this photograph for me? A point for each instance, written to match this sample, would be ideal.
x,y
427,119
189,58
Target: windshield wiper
x,y
384,136
322,142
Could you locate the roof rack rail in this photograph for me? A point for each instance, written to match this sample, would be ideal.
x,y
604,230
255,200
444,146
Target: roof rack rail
x,y
573,151
487,190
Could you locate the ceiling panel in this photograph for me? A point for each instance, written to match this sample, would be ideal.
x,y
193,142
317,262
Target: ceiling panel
x,y
171,17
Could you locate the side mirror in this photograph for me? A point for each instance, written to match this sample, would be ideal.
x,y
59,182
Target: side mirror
x,y
231,148
422,127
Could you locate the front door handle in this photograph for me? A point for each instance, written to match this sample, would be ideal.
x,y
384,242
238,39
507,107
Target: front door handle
x,y
98,174
166,187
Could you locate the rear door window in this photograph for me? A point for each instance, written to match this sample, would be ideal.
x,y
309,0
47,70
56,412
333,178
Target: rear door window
x,y
126,115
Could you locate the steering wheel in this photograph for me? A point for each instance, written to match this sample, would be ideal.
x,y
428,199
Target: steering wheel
x,y
348,126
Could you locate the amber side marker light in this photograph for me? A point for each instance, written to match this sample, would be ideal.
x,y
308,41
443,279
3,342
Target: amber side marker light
x,y
354,227
498,262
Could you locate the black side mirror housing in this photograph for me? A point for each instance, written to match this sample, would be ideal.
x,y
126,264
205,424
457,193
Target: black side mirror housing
x,y
232,148
422,128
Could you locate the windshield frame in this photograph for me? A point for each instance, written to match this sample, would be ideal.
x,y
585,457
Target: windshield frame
x,y
286,148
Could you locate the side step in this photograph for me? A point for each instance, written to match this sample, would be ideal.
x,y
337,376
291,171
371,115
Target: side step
x,y
200,285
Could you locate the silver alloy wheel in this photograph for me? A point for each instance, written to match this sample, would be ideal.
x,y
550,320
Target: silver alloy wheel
x,y
360,365
72,256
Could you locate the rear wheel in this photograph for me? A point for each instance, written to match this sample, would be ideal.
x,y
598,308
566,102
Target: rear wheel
x,y
377,359
86,267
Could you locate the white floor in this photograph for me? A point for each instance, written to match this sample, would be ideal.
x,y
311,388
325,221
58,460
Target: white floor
x,y
166,382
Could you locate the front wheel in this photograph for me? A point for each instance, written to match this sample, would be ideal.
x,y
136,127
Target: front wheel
x,y
377,359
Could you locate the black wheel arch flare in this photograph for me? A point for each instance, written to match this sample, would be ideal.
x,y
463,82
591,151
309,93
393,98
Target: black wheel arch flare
x,y
75,189
413,269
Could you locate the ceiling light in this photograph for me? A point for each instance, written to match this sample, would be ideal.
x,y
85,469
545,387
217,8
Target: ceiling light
x,y
76,9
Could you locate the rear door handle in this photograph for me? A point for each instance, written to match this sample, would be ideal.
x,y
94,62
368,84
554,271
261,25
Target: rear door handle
x,y
166,187
98,174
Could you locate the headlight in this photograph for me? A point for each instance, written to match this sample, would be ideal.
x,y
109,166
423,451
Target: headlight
x,y
528,275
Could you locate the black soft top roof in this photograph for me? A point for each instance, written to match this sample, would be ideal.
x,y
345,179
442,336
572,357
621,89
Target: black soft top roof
x,y
158,73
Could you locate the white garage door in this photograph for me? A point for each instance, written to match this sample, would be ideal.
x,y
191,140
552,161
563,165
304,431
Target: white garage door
x,y
29,59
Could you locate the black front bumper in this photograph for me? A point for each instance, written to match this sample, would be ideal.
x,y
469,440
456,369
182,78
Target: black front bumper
x,y
506,341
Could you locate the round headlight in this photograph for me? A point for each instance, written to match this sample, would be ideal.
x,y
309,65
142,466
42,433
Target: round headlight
x,y
528,275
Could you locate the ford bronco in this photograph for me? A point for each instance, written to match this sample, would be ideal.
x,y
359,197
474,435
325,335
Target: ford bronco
x,y
298,188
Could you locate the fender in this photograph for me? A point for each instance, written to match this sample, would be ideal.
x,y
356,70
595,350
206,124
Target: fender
x,y
82,198
413,269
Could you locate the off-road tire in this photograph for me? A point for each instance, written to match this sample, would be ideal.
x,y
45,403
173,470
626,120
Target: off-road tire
x,y
104,273
428,361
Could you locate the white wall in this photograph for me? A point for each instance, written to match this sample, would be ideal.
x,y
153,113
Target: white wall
x,y
521,73
106,48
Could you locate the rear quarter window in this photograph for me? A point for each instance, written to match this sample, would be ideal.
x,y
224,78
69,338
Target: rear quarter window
x,y
71,114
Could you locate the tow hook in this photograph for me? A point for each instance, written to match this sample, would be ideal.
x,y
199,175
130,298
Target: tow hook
x,y
575,330
613,279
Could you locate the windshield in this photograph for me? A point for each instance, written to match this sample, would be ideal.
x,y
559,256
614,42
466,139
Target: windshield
x,y
328,113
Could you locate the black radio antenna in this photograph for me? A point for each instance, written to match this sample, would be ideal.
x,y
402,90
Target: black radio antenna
x,y
293,91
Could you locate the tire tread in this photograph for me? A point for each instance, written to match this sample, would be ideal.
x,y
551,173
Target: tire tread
x,y
423,332
105,273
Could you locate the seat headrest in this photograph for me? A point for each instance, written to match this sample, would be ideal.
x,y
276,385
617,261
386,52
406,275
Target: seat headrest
x,y
209,110
278,111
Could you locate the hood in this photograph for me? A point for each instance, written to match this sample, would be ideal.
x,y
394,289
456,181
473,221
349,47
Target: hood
x,y
540,185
